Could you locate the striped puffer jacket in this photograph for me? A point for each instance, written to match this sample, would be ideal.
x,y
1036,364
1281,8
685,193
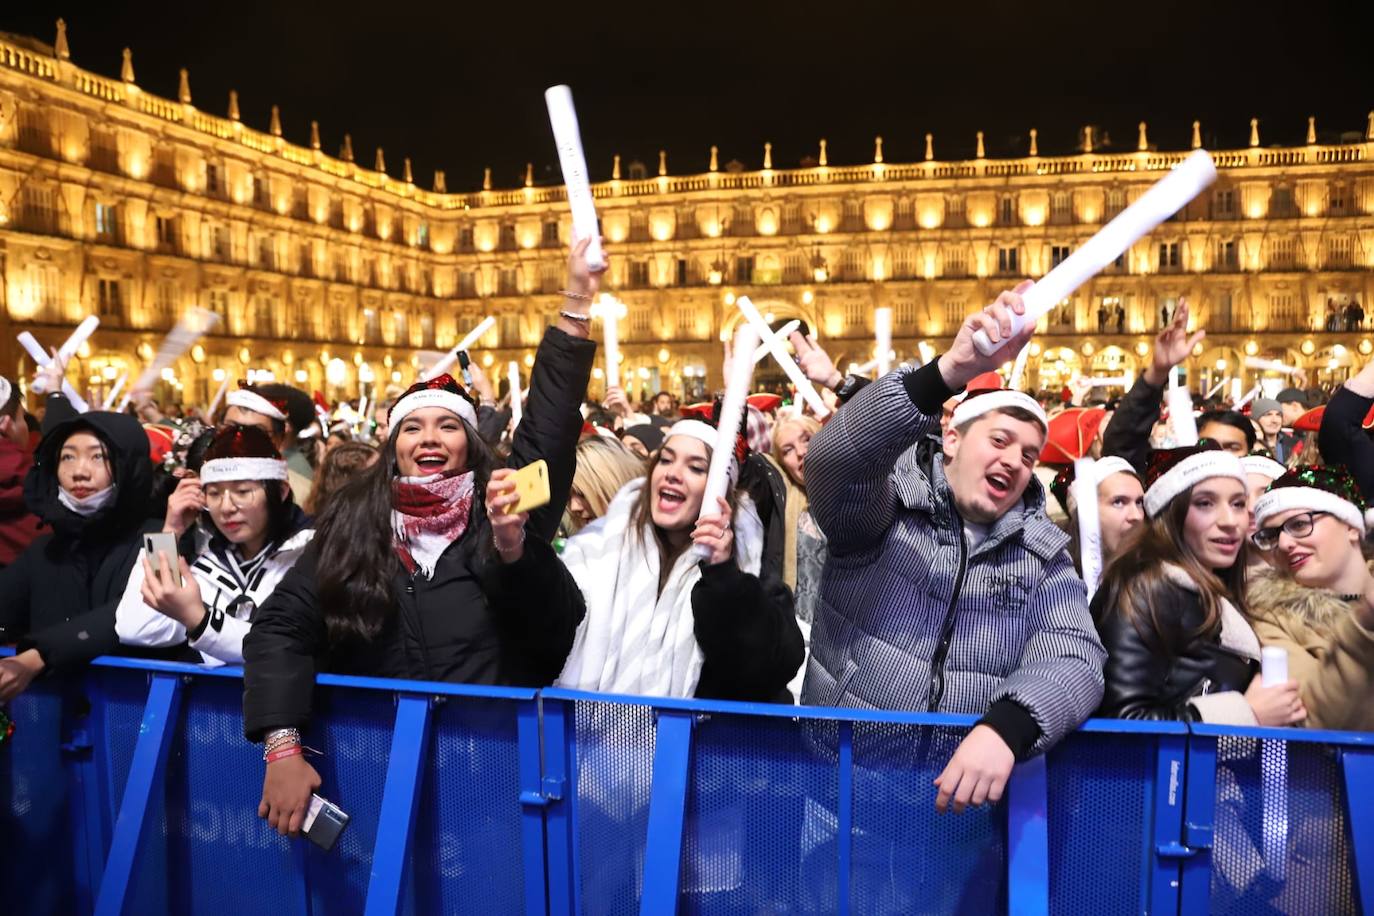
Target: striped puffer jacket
x,y
909,618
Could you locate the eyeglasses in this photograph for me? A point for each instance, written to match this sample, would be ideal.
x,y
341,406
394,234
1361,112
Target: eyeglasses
x,y
1299,526
239,497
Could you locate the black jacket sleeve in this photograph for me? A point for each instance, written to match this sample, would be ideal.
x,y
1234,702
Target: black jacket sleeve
x,y
1128,434
747,630
57,409
552,421
538,607
281,652
16,591
1343,439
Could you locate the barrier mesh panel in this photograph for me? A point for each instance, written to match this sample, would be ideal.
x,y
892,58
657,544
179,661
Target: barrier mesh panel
x,y
1281,841
1100,822
761,825
467,839
36,863
615,755
121,694
906,858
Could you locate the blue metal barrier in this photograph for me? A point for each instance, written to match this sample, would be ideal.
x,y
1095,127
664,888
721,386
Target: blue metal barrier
x,y
131,789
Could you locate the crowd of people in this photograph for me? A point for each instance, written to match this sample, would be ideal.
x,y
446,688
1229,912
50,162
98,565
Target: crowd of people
x,y
919,549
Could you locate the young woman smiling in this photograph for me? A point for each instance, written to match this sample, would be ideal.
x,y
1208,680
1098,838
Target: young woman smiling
x,y
1171,607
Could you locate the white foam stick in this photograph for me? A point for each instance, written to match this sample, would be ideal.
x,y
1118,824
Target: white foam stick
x,y
1215,388
1249,396
1270,365
1089,525
114,392
35,351
789,366
1018,369
863,368
727,429
448,359
123,402
784,332
362,411
882,333
1273,666
1106,381
83,330
517,411
1182,423
1236,390
610,339
194,325
568,138
1165,198
219,396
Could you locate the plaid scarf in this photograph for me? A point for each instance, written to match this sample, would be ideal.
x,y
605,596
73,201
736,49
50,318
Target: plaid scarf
x,y
428,514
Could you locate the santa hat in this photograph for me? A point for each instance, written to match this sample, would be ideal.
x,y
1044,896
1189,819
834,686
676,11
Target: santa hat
x,y
249,397
764,402
1263,464
705,432
987,381
440,391
1317,489
161,440
242,453
1062,486
1311,421
1174,470
981,402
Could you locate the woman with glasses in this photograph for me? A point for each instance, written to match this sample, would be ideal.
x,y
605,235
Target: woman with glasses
x,y
1316,602
1171,608
242,531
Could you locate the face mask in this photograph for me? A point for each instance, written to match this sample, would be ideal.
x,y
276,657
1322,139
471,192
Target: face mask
x,y
88,506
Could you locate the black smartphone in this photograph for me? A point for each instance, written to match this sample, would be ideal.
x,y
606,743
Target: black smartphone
x,y
324,821
463,363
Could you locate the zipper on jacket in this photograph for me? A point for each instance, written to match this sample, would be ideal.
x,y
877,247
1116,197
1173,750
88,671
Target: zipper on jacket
x,y
937,662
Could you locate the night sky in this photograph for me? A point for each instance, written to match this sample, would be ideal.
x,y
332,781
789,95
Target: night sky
x,y
458,85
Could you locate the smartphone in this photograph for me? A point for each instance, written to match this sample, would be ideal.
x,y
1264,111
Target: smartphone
x,y
463,363
162,542
324,821
532,484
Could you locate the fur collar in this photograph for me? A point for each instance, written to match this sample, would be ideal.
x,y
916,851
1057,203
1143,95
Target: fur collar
x,y
1277,597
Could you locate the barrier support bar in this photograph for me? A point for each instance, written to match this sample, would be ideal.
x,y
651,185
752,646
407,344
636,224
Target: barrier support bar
x,y
667,813
400,796
535,795
145,779
1195,892
557,719
1028,839
1358,768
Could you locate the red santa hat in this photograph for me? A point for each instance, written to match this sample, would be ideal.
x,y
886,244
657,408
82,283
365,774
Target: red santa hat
x,y
440,391
248,397
242,453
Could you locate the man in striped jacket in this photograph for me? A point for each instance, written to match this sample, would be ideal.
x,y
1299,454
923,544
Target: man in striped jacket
x,y
947,588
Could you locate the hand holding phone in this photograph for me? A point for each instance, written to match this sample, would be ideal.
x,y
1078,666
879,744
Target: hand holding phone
x,y
158,544
532,486
324,821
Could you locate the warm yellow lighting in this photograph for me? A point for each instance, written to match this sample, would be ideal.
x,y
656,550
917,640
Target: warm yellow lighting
x,y
1033,215
1142,348
1197,349
1338,351
324,357
1308,348
808,297
714,277
110,373
336,372
145,352
357,358
487,359
84,351
728,298
1034,349
597,373
644,372
529,360
287,357
1366,346
244,355
218,375
396,375
198,353
768,221
387,360
879,269
823,223
302,376
168,375
1221,365
821,274
663,354
1251,348
1087,348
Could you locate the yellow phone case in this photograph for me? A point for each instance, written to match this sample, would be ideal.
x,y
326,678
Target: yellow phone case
x,y
532,484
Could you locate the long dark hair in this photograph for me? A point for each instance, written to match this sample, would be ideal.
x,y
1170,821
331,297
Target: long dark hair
x,y
354,543
1136,585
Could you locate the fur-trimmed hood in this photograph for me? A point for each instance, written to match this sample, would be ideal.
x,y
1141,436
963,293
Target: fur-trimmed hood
x,y
1274,596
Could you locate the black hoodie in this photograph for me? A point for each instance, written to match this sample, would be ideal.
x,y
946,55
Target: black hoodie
x,y
60,596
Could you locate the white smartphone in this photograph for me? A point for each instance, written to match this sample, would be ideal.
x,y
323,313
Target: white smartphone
x,y
162,542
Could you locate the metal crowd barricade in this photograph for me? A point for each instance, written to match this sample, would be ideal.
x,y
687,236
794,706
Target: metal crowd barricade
x,y
131,789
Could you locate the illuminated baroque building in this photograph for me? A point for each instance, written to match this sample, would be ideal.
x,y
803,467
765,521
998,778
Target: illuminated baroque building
x,y
133,207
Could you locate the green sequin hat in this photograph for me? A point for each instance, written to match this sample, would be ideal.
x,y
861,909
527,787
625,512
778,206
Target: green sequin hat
x,y
1317,489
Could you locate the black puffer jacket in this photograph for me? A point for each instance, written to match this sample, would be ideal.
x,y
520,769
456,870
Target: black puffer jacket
x,y
60,596
460,625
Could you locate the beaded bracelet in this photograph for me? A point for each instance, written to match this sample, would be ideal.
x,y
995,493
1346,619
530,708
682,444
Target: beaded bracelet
x,y
575,316
294,750
569,294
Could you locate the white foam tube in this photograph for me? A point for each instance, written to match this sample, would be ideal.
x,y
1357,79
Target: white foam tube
x,y
1237,392
362,412
1018,369
568,138
789,366
1165,198
1182,423
123,402
863,368
517,411
1273,666
761,352
1106,381
1215,388
83,331
194,325
610,339
35,351
1270,365
1249,396
219,396
114,392
727,427
1089,524
882,332
448,359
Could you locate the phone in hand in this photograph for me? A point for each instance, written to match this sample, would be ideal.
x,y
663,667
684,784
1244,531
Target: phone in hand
x,y
324,821
158,543
532,485
463,363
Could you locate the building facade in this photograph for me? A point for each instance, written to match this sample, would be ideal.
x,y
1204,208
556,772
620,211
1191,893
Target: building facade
x,y
329,274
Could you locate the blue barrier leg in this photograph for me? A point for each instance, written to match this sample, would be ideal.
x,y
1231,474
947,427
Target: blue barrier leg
x,y
145,779
1028,839
560,769
534,796
667,812
1200,815
401,794
1163,845
844,833
93,771
1358,767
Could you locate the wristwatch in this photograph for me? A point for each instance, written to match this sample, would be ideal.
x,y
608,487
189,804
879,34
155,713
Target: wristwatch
x,y
849,386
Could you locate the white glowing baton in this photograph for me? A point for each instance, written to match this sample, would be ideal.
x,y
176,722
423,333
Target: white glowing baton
x,y
882,332
610,339
362,411
568,139
83,331
1165,198
1237,392
1089,525
1018,369
194,325
1182,423
727,428
35,351
219,396
784,332
789,366
1105,381
517,411
448,359
114,392
1215,388
1249,396
1269,365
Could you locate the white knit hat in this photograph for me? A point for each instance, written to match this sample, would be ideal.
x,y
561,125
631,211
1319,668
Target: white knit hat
x,y
1177,469
241,453
982,402
1317,489
1263,464
249,399
704,432
1102,469
442,391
